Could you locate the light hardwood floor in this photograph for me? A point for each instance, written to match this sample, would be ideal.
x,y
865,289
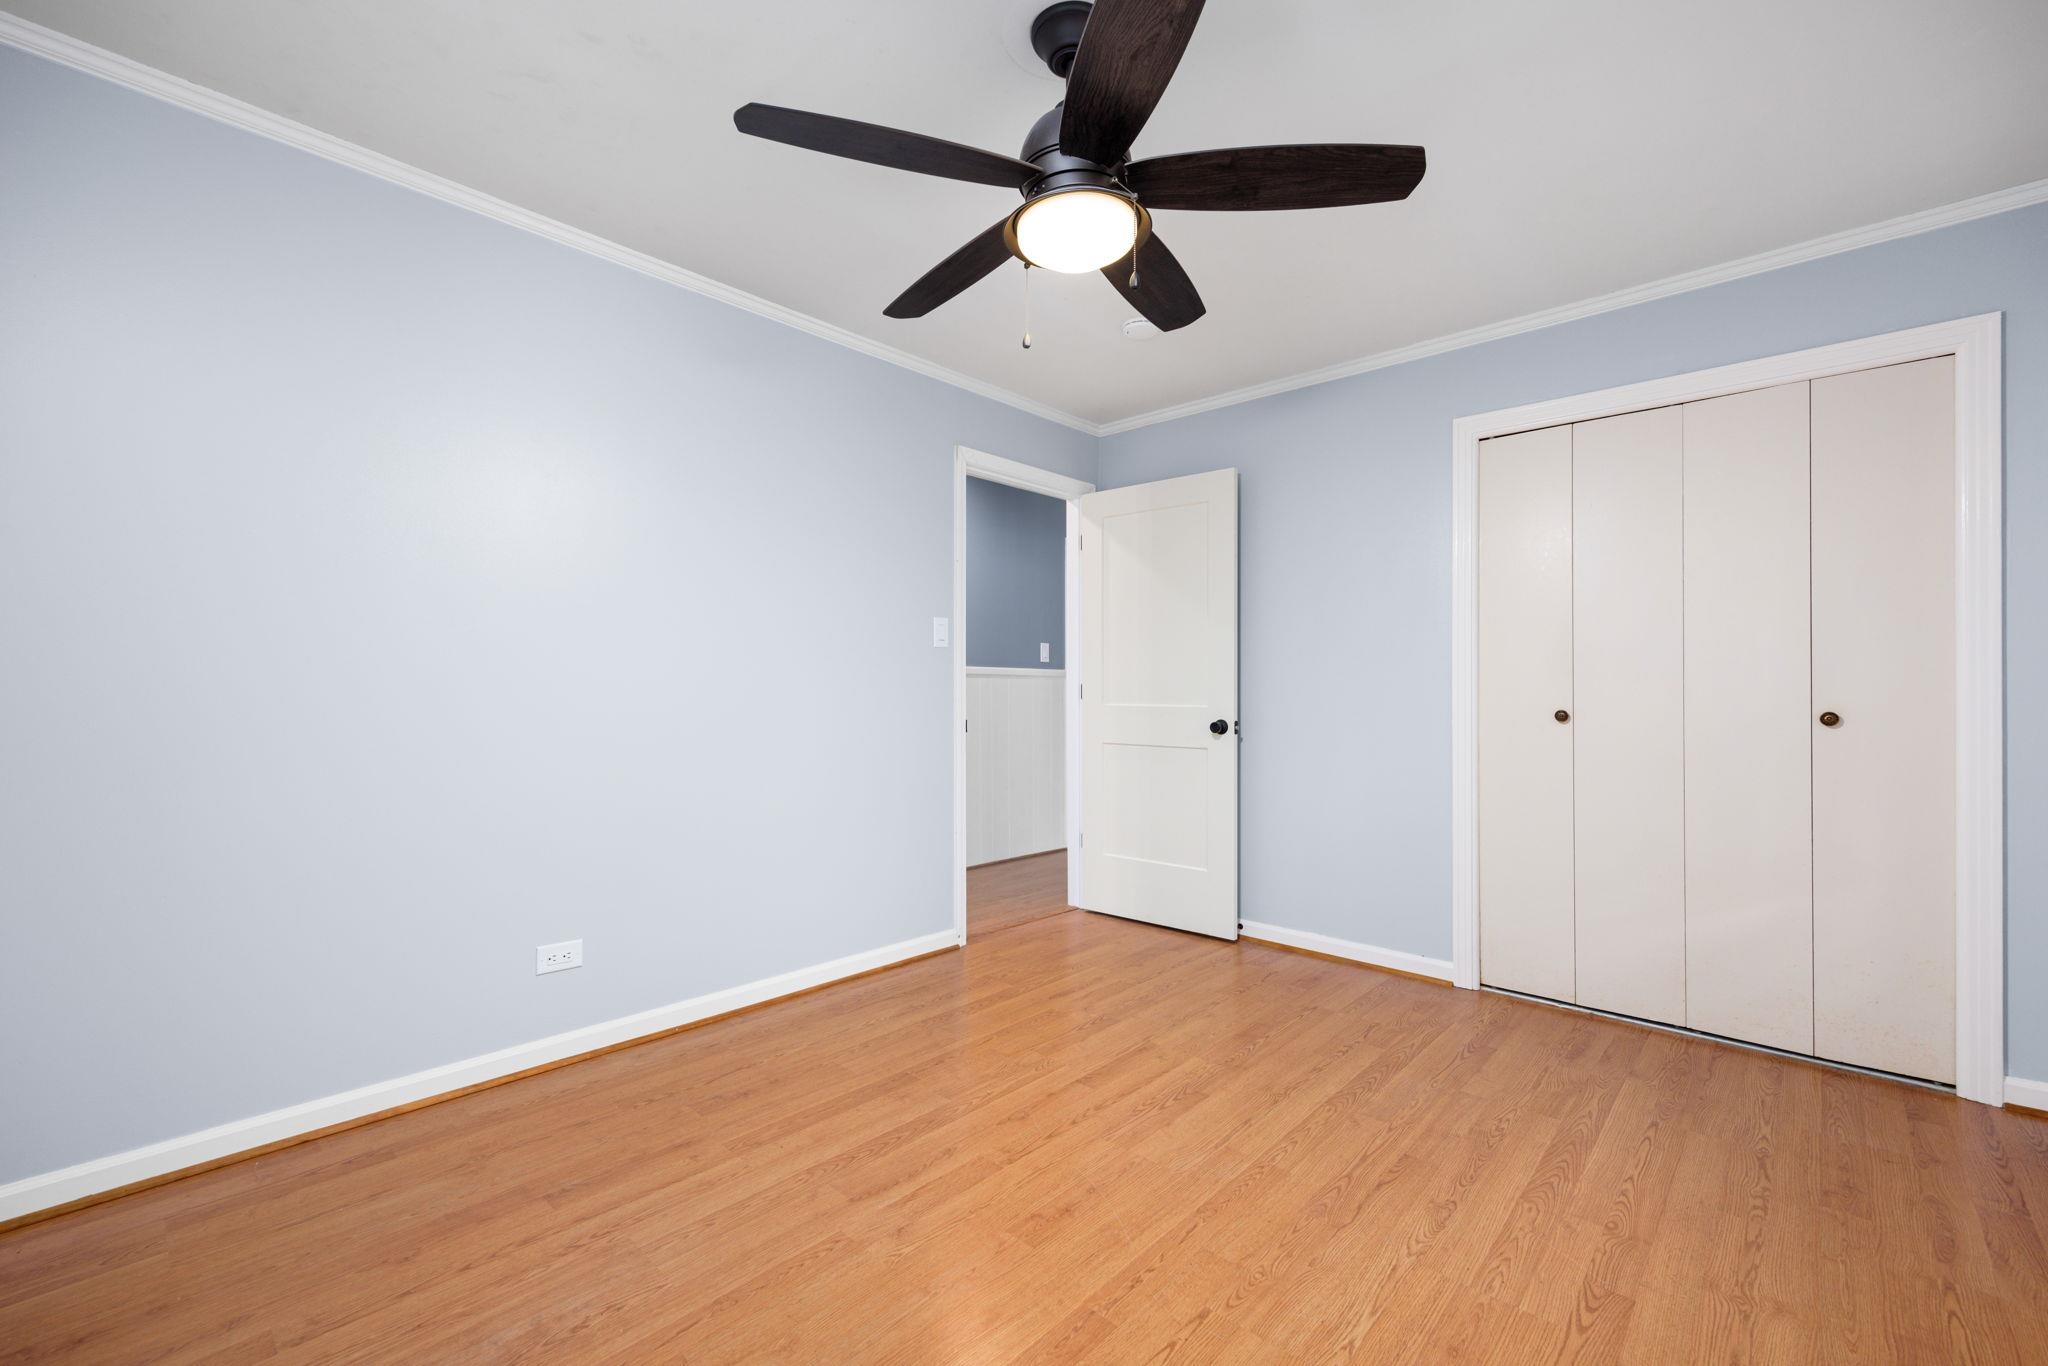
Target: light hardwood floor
x,y
1085,1138
1014,891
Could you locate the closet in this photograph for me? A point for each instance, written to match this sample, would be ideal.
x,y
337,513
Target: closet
x,y
1716,716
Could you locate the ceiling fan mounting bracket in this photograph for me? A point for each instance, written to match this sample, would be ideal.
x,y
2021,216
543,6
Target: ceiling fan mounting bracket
x,y
1056,34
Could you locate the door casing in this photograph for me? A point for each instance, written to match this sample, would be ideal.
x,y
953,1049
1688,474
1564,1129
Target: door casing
x,y
970,463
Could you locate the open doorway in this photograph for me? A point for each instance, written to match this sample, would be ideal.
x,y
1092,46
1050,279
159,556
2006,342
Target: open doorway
x,y
1016,693
1015,637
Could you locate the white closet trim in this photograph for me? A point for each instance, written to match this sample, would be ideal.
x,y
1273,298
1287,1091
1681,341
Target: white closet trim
x,y
1980,670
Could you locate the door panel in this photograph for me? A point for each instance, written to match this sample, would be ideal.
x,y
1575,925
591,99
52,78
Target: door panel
x,y
1159,632
1884,778
1525,675
1748,755
1628,766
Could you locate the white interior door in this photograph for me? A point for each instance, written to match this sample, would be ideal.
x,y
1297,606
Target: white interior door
x,y
1748,748
1159,702
1526,935
1884,773
1628,750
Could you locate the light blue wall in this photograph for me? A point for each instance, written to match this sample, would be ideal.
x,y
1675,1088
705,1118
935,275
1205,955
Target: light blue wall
x,y
385,591
1345,570
1016,576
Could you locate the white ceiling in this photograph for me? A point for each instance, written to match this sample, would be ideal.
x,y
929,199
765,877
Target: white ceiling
x,y
1575,148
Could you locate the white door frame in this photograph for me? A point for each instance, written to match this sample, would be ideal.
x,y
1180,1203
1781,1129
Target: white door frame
x,y
981,465
1980,644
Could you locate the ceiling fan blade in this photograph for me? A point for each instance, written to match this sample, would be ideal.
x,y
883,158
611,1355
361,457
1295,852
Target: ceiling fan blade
x,y
1165,294
881,146
982,254
1128,53
1308,176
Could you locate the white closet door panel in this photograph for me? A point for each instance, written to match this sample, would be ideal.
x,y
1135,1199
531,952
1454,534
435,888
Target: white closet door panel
x,y
1628,766
1525,675
1748,752
1884,778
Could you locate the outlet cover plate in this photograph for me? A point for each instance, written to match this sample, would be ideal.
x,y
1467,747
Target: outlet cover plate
x,y
558,957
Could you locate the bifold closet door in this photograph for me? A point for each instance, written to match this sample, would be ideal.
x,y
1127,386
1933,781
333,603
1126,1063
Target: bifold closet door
x,y
1628,764
1748,741
1884,773
1526,939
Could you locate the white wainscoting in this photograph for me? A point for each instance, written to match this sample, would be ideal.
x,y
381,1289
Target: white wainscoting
x,y
1016,762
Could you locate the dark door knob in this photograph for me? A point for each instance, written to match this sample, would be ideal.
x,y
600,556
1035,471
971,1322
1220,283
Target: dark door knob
x,y
1830,720
1219,728
1563,716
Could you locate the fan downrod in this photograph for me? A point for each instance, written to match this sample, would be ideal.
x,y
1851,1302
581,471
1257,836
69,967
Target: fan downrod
x,y
1056,34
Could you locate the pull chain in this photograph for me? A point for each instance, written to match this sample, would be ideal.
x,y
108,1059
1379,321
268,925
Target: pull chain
x,y
1134,265
1027,305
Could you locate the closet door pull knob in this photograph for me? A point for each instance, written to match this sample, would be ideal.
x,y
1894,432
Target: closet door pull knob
x,y
1563,716
1219,727
1830,719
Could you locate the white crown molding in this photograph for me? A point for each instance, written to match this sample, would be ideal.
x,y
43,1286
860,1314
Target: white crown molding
x,y
224,1141
1910,225
96,61
83,56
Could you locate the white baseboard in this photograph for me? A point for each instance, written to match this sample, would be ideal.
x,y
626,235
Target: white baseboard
x,y
1399,961
61,1187
2032,1094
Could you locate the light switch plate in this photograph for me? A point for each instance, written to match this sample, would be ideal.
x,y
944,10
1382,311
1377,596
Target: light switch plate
x,y
1045,652
942,632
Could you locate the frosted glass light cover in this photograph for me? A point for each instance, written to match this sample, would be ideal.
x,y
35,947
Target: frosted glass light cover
x,y
1077,231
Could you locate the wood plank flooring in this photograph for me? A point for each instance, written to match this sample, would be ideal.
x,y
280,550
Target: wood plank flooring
x,y
1086,1139
1000,895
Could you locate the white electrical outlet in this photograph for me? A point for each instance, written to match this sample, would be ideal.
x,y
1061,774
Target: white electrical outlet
x,y
558,957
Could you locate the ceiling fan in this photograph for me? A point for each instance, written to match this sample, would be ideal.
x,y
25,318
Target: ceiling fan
x,y
1087,205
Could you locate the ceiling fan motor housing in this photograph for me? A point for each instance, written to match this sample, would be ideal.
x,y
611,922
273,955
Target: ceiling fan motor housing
x,y
1057,170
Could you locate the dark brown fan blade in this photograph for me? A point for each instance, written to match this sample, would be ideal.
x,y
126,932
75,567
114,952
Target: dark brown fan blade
x,y
982,254
1309,176
881,146
1165,294
1128,53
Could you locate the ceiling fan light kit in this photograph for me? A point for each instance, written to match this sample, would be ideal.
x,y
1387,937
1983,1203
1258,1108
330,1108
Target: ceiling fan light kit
x,y
1075,231
1087,206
